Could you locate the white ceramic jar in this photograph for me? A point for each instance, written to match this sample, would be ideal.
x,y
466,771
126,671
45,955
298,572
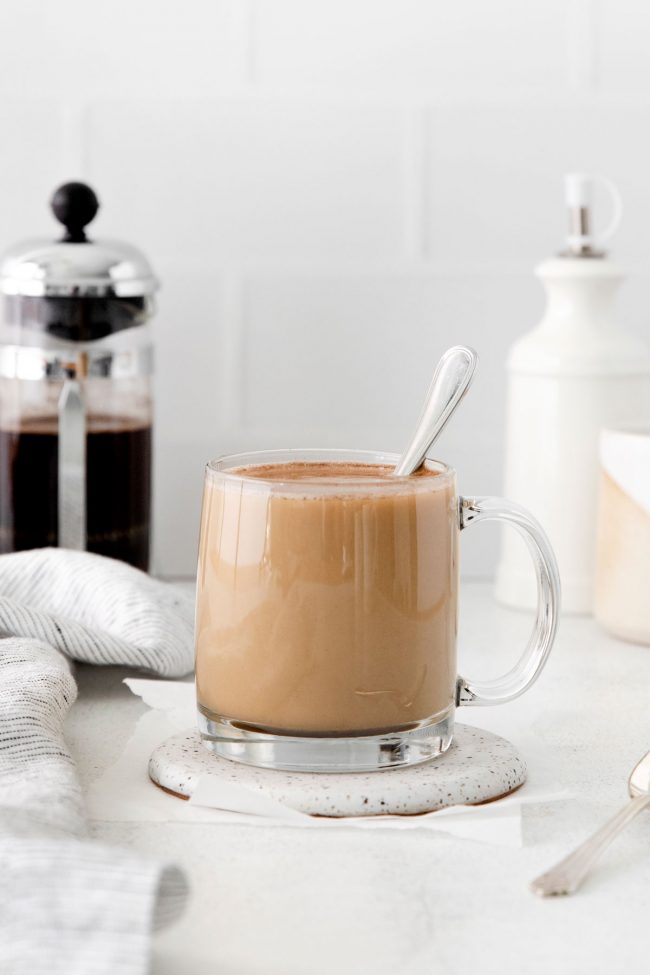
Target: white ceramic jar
x,y
576,372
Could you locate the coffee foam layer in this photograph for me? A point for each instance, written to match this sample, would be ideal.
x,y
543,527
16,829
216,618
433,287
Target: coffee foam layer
x,y
328,478
308,470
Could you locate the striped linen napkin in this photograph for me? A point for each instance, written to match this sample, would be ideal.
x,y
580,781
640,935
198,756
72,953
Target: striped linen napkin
x,y
69,904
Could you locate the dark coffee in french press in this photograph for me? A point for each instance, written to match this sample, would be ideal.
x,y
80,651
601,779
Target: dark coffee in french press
x,y
118,507
75,398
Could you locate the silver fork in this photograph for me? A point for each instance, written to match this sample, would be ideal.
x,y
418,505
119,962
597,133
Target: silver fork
x,y
567,875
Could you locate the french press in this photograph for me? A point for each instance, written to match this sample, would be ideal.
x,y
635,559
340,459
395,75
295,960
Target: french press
x,y
75,390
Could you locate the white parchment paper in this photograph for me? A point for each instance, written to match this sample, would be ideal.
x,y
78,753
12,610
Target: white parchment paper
x,y
125,793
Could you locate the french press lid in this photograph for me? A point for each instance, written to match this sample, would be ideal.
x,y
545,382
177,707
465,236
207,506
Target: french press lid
x,y
76,265
76,288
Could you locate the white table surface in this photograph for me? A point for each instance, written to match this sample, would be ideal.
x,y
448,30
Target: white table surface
x,y
283,901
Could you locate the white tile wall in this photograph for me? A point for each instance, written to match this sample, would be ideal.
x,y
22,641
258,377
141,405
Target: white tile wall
x,y
623,40
419,45
75,49
30,154
247,180
332,192
352,354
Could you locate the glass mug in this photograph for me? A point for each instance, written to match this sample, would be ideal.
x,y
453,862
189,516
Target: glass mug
x,y
327,601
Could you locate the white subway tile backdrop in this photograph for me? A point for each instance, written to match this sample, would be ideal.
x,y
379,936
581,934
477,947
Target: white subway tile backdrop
x,y
332,193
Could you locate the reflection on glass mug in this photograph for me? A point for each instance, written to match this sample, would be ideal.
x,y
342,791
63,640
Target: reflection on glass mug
x,y
327,607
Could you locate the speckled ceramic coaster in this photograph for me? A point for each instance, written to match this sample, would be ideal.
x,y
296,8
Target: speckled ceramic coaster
x,y
478,767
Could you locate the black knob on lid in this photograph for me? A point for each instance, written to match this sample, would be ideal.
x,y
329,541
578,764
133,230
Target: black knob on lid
x,y
74,205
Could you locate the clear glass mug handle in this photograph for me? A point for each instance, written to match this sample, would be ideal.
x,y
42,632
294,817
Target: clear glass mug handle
x,y
531,663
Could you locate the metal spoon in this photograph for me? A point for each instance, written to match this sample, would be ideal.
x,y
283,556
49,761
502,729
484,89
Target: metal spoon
x,y
449,384
567,875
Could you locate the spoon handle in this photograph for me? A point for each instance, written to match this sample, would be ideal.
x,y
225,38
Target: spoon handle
x,y
449,384
567,875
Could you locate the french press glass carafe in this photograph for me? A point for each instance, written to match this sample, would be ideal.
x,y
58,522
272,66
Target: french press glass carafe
x,y
75,395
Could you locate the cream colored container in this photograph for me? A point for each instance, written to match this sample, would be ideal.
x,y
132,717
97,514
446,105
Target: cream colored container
x,y
622,589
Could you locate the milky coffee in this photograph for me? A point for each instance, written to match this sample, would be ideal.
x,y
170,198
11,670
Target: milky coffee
x,y
327,598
